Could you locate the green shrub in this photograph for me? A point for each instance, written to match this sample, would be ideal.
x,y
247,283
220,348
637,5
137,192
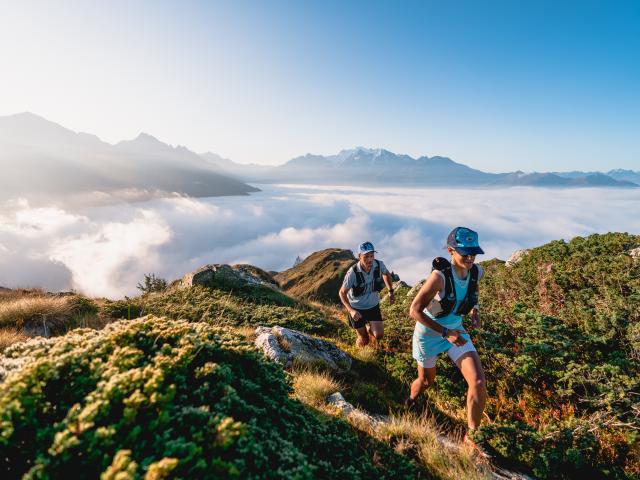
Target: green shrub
x,y
122,309
152,395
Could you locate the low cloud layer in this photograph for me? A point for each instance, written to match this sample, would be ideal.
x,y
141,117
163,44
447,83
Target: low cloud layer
x,y
105,251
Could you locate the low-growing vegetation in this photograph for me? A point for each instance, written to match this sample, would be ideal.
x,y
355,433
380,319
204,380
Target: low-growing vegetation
x,y
559,344
251,305
153,395
9,336
417,438
557,348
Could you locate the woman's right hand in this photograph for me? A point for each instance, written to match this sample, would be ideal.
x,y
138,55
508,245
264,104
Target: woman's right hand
x,y
455,337
355,315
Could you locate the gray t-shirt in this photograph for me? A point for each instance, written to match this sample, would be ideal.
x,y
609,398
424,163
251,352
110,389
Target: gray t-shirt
x,y
370,298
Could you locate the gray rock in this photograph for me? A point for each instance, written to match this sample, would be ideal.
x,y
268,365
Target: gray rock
x,y
516,257
285,346
223,276
353,413
635,253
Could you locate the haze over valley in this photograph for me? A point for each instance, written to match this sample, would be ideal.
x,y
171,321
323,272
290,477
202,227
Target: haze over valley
x,y
45,161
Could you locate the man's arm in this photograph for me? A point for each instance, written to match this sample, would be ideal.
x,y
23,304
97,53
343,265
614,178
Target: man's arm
x,y
388,281
431,287
345,301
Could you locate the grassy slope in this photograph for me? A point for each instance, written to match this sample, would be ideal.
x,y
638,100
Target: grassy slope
x,y
319,276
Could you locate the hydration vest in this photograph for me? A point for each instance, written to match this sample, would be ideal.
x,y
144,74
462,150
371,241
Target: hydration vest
x,y
360,286
448,302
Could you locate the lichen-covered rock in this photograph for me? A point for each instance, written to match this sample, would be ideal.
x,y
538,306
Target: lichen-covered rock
x,y
516,257
285,346
225,276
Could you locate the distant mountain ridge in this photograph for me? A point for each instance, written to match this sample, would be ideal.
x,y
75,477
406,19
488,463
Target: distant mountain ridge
x,y
42,158
367,166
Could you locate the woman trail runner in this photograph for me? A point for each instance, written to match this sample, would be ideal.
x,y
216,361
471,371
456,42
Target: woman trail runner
x,y
450,291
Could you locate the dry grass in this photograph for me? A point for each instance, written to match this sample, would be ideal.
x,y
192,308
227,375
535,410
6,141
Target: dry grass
x,y
366,354
32,310
420,438
20,311
9,336
312,387
249,333
283,343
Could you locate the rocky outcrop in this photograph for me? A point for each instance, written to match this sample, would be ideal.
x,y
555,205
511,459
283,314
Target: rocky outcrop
x,y
225,276
287,346
635,253
251,273
516,257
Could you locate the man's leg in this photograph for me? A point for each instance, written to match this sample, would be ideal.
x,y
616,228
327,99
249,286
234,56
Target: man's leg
x,y
362,339
471,369
377,329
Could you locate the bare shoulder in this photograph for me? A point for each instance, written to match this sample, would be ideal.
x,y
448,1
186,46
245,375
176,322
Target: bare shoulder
x,y
434,280
431,286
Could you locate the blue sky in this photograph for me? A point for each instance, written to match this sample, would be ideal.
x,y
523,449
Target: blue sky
x,y
499,86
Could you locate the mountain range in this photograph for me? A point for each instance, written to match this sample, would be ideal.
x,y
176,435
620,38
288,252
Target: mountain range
x,y
40,158
366,166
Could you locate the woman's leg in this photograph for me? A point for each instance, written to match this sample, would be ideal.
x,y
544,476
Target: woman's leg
x,y
471,369
426,378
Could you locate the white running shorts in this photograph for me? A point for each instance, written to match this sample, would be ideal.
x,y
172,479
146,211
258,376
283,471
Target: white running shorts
x,y
454,354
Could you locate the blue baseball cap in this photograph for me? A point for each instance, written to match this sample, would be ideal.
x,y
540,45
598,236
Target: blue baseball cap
x,y
464,241
365,247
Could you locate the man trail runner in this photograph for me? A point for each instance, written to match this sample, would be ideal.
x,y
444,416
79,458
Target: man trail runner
x,y
360,295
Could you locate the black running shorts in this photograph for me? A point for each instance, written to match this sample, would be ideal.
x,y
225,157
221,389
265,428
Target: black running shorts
x,y
368,315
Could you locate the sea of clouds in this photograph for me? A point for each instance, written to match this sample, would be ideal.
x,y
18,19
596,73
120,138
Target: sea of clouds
x,y
106,250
